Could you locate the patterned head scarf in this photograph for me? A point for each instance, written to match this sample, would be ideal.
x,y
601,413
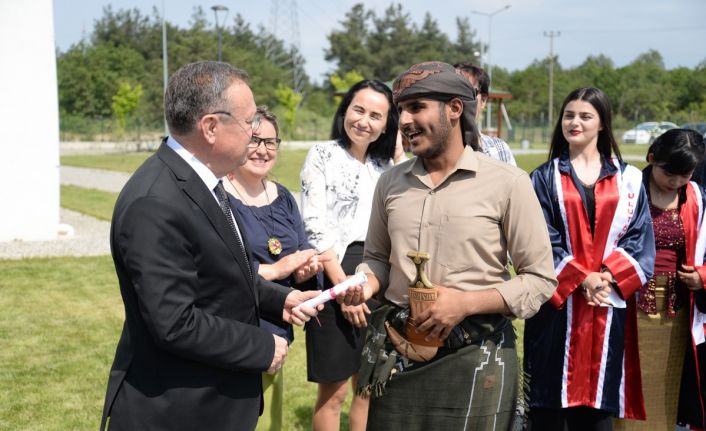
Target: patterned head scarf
x,y
440,81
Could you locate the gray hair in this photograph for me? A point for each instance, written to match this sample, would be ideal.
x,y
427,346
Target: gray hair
x,y
197,89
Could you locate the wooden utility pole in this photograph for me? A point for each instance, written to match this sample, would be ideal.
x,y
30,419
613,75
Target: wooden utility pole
x,y
550,111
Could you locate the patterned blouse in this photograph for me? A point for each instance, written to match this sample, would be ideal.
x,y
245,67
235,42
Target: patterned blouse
x,y
337,193
669,243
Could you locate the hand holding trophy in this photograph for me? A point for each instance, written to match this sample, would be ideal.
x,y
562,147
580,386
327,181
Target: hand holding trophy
x,y
422,295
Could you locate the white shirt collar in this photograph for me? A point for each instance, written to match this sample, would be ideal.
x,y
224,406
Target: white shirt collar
x,y
201,170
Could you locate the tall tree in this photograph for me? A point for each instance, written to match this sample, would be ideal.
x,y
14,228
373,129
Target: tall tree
x,y
381,47
127,45
529,88
342,83
289,100
128,29
89,77
349,46
465,49
392,39
125,102
431,43
641,83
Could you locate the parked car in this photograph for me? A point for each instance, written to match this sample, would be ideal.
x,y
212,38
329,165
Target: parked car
x,y
699,127
645,133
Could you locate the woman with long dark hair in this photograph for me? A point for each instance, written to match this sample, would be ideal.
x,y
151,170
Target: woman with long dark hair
x,y
580,350
338,179
676,291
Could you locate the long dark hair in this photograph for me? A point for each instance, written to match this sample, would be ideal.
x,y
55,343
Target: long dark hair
x,y
599,101
677,151
383,148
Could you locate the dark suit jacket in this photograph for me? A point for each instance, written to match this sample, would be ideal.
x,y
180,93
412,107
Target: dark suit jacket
x,y
191,353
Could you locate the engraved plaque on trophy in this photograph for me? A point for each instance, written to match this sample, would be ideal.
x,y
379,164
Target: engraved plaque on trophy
x,y
422,295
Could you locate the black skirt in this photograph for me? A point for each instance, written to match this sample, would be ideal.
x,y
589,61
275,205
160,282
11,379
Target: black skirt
x,y
333,349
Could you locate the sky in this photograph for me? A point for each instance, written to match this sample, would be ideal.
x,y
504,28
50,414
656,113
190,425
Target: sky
x,y
619,29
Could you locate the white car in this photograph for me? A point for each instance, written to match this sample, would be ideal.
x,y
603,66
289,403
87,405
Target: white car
x,y
645,133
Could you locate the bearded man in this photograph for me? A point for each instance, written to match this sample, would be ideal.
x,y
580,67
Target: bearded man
x,y
465,212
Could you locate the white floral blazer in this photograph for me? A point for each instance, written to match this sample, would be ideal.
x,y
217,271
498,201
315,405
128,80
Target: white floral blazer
x,y
330,195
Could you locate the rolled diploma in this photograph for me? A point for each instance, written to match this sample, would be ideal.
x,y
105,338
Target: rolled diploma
x,y
329,294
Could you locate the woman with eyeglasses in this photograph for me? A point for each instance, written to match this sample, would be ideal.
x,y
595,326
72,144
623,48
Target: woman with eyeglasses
x,y
338,179
275,233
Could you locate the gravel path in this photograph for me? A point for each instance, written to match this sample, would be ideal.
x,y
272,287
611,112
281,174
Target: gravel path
x,y
80,235
108,181
90,238
85,236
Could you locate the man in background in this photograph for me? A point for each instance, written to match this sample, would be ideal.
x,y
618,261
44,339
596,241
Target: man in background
x,y
480,81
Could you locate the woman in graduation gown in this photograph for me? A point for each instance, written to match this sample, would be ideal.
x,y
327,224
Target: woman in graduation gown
x,y
580,350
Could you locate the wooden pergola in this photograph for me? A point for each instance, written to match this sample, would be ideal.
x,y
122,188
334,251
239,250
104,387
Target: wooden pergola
x,y
497,98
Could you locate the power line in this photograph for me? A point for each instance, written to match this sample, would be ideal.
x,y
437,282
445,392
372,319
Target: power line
x,y
284,25
593,30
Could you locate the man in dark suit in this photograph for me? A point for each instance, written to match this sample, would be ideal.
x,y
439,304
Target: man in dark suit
x,y
191,352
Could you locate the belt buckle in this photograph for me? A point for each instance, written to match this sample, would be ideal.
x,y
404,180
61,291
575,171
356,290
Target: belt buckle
x,y
458,338
661,280
661,288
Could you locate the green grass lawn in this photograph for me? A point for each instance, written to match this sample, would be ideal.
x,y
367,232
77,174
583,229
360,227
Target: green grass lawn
x,y
122,162
528,162
286,171
92,202
289,163
62,318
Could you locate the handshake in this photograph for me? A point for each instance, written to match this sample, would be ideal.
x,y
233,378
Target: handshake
x,y
300,307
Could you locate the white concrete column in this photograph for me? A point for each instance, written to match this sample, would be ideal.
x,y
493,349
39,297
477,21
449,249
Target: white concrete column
x,y
29,122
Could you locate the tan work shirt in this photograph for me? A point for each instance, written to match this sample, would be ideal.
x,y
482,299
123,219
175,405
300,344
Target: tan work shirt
x,y
469,223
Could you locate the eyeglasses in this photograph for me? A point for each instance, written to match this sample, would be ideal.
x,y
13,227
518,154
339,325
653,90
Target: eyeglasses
x,y
254,122
270,143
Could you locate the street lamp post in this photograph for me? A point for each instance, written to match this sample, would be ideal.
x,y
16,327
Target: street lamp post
x,y
219,8
489,64
165,67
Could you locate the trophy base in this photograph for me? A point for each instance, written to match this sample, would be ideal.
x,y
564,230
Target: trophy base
x,y
419,338
419,300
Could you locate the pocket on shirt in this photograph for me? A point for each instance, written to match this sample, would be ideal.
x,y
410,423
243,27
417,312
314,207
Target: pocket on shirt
x,y
462,237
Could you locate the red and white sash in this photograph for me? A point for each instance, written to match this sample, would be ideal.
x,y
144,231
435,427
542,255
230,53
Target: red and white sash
x,y
614,213
692,213
628,184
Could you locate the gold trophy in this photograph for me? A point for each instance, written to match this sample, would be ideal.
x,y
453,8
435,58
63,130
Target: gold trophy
x,y
422,295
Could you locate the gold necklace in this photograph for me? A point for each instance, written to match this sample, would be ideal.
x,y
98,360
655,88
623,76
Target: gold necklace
x,y
274,246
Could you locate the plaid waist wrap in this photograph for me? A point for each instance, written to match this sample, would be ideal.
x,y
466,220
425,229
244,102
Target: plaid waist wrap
x,y
471,384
